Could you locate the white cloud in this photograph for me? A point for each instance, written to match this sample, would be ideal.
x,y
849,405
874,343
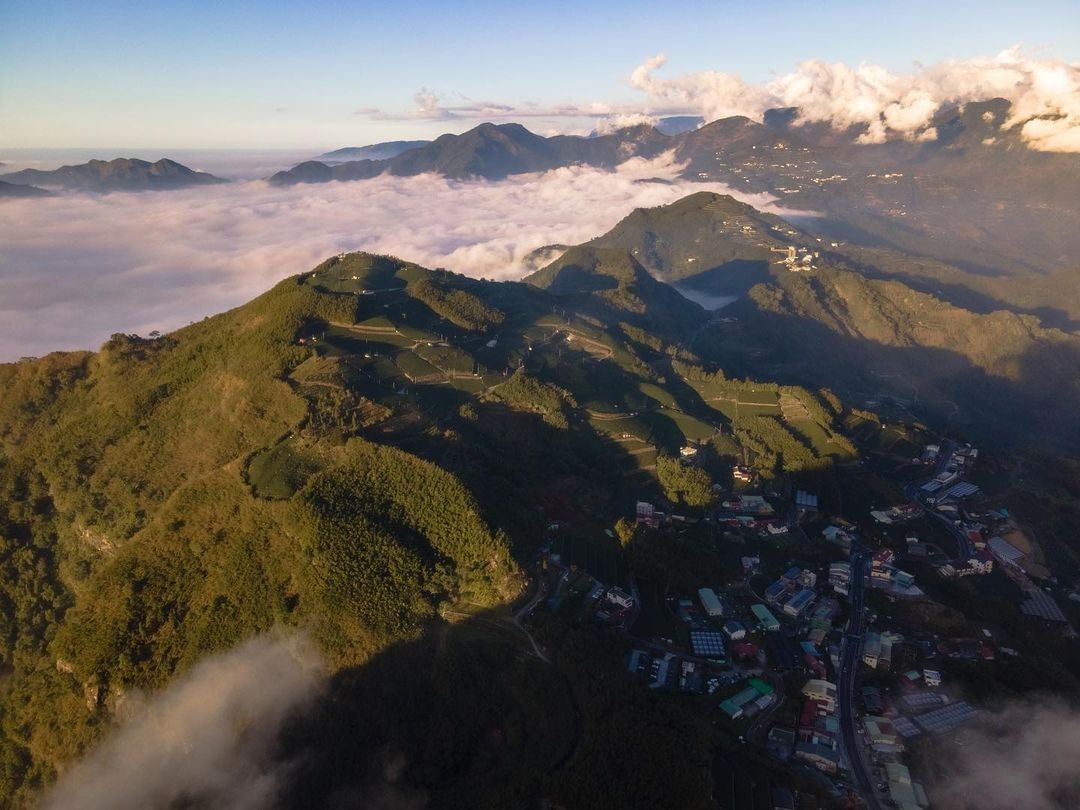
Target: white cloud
x,y
619,121
1025,756
887,104
208,740
75,268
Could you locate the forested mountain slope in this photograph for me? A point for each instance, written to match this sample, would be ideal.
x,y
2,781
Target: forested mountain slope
x,y
368,454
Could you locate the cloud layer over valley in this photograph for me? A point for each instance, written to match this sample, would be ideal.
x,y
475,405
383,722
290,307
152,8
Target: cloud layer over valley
x,y
74,268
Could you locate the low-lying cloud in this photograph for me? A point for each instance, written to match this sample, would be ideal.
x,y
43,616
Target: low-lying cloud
x,y
1026,756
76,268
1045,95
209,740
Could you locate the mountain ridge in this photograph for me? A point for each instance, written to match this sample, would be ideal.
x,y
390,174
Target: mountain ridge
x,y
374,151
169,497
832,316
119,174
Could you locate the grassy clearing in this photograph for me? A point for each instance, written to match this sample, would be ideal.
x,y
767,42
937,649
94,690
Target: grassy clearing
x,y
345,340
817,436
621,427
658,394
414,366
693,429
278,471
469,385
450,359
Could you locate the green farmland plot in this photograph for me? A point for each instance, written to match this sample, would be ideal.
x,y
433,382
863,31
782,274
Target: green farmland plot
x,y
450,359
415,367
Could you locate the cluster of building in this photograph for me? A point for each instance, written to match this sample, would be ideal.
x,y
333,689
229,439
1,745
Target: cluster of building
x,y
979,563
746,506
742,474
794,592
796,259
821,620
887,725
901,513
885,575
947,495
878,648
757,696
817,738
954,467
839,533
840,576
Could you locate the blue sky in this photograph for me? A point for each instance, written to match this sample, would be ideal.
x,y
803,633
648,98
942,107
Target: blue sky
x,y
244,74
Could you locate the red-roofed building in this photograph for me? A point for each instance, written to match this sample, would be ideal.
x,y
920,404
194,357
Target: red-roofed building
x,y
744,650
815,665
810,710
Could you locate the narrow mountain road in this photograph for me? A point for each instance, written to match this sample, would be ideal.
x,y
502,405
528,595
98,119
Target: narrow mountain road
x,y
525,610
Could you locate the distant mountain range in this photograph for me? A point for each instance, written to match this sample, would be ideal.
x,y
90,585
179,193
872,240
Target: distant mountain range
x,y
121,174
976,198
375,151
671,125
492,152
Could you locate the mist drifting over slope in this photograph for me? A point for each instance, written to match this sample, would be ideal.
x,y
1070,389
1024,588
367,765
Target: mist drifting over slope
x,y
208,740
1023,756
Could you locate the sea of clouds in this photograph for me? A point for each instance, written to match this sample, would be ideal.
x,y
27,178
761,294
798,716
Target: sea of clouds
x,y
76,268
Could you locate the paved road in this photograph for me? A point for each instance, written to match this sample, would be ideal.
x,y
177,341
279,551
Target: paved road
x,y
850,656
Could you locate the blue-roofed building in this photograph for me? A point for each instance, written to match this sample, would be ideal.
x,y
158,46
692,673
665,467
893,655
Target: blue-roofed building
x,y
800,602
776,591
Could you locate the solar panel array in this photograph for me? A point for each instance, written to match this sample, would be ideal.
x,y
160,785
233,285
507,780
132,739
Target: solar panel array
x,y
1041,605
918,701
905,728
707,643
961,490
946,718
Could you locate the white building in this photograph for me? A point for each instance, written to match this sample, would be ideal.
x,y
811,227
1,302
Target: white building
x,y
710,601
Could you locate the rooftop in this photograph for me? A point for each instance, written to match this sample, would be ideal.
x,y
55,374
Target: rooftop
x,y
945,719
